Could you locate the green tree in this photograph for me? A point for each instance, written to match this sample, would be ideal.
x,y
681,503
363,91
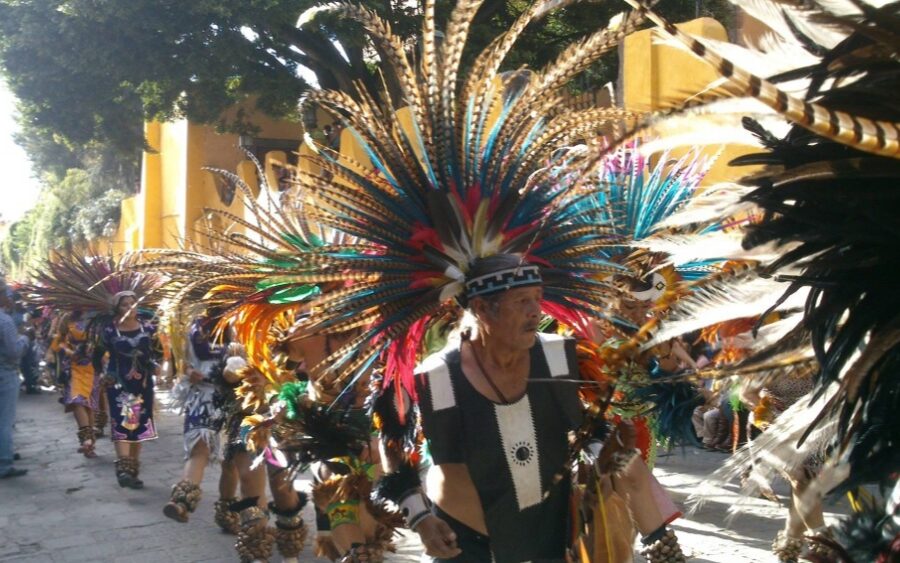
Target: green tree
x,y
90,71
70,210
15,247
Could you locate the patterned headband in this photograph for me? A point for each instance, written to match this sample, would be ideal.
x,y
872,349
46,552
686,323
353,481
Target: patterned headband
x,y
121,295
520,276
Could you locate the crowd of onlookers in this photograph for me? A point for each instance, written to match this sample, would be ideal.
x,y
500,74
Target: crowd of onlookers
x,y
19,353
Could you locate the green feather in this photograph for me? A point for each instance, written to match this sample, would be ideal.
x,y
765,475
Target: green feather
x,y
294,294
290,393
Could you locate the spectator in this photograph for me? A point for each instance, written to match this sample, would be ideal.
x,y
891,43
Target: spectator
x,y
29,362
12,346
712,420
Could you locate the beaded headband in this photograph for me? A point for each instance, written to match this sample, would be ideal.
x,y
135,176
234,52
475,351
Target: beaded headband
x,y
520,276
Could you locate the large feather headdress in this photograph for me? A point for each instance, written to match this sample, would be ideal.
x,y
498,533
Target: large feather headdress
x,y
824,238
470,168
91,283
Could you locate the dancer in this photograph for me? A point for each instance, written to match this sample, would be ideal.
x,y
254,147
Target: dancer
x,y
350,526
311,419
496,428
248,516
423,226
234,451
130,372
107,290
74,353
203,417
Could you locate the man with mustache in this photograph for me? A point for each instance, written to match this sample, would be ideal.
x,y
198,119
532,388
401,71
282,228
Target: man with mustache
x,y
496,416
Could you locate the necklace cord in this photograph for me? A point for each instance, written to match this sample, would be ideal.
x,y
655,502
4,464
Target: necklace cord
x,y
487,377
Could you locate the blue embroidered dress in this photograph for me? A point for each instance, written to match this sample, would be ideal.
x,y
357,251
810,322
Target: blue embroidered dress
x,y
203,404
132,365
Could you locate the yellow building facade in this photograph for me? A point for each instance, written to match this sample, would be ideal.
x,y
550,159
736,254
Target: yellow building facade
x,y
169,211
177,189
657,76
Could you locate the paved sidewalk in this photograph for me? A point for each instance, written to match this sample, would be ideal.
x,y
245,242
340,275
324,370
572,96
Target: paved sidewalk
x,y
708,535
70,509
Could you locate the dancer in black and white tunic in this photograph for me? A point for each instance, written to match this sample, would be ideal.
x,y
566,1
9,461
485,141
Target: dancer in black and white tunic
x,y
203,416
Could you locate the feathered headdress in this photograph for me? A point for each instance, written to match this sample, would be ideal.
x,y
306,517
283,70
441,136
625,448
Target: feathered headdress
x,y
641,191
825,239
255,271
472,168
91,283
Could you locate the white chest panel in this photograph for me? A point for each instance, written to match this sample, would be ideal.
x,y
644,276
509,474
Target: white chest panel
x,y
519,440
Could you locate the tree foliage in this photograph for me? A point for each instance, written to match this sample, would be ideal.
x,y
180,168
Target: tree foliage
x,y
93,70
72,210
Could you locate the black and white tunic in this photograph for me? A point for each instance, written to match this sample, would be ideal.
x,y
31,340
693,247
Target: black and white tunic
x,y
511,451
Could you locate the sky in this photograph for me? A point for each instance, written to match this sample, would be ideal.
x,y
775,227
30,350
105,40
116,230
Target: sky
x,y
18,189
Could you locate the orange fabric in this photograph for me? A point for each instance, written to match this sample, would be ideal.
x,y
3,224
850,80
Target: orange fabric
x,y
82,382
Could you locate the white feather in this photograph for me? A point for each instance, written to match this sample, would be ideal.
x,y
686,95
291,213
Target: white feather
x,y
715,203
717,123
451,290
718,245
775,16
767,335
724,302
774,453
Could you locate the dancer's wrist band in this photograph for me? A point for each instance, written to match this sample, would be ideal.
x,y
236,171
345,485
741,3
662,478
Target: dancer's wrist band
x,y
415,506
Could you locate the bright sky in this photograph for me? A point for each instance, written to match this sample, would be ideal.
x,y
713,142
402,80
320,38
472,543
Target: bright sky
x,y
18,189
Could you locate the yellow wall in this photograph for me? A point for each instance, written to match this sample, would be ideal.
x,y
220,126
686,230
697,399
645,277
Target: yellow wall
x,y
170,212
657,76
150,197
174,149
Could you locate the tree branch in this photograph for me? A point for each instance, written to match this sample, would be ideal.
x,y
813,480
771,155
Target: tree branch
x,y
325,60
488,10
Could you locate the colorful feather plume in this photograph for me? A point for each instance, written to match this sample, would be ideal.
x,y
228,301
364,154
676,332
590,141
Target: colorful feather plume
x,y
88,282
472,168
824,235
257,275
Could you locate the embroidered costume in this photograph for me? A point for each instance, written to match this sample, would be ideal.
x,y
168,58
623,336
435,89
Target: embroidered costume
x,y
132,365
204,412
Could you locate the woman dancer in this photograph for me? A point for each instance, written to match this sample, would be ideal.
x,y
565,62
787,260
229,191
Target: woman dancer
x,y
129,374
81,392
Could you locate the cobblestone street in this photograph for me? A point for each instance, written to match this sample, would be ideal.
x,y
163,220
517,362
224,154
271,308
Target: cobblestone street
x,y
70,509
